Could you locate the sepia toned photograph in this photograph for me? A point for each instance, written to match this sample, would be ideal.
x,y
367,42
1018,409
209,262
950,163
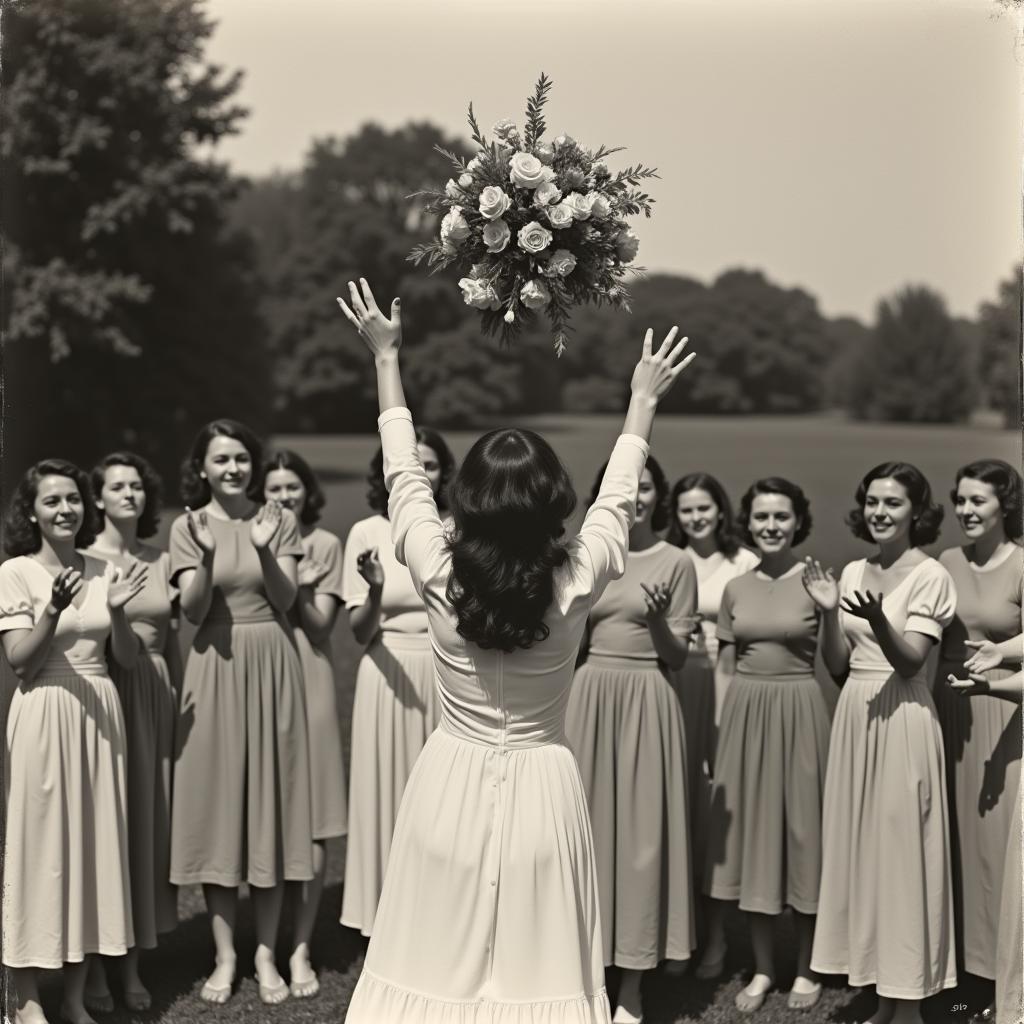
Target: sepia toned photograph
x,y
512,512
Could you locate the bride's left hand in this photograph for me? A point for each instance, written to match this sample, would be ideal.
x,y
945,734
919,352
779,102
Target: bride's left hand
x,y
382,337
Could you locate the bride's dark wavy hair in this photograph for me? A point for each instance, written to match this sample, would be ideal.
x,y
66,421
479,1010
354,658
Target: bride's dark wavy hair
x,y
509,501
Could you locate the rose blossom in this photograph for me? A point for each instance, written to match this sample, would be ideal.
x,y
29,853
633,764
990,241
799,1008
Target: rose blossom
x,y
627,245
547,192
465,180
475,164
559,215
534,237
535,294
579,204
600,207
504,127
493,202
527,171
561,263
478,294
496,235
454,228
452,188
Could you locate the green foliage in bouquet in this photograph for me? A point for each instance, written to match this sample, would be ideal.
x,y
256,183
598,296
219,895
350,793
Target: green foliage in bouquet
x,y
536,226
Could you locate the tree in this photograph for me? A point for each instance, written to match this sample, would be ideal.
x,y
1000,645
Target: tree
x,y
129,313
1000,349
916,366
348,213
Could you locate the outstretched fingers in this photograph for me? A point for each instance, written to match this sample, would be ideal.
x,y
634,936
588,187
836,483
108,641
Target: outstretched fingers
x,y
648,344
666,345
357,300
368,299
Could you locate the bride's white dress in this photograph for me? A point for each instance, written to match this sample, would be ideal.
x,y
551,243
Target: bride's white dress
x,y
490,910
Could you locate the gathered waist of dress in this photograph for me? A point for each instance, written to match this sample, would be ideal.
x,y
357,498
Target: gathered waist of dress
x,y
496,739
402,641
875,673
781,678
623,661
254,619
55,668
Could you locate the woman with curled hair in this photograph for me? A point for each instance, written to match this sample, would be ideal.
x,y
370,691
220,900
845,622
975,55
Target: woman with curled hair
x,y
490,906
625,726
126,495
289,481
701,523
982,737
66,889
764,836
241,810
395,706
885,910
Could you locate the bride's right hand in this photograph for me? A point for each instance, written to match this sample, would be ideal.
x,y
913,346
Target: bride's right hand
x,y
382,336
657,371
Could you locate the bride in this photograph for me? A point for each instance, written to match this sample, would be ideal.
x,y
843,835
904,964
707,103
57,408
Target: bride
x,y
489,910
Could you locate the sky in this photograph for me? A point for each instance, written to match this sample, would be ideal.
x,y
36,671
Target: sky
x,y
849,147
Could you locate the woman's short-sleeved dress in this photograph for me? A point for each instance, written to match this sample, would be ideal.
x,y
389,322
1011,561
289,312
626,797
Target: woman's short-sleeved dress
x,y
983,751
885,912
489,912
241,809
764,842
149,697
326,760
66,886
394,711
695,684
625,726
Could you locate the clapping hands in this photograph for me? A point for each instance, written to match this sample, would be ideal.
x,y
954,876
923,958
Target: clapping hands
x,y
126,584
369,567
864,606
199,530
265,525
820,584
986,655
974,685
66,585
311,572
657,598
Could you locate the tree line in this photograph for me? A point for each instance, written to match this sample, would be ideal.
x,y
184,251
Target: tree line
x,y
147,288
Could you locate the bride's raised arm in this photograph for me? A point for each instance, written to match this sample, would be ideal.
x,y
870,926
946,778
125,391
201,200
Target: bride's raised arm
x,y
605,531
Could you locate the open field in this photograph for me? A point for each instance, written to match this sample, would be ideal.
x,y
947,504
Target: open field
x,y
826,456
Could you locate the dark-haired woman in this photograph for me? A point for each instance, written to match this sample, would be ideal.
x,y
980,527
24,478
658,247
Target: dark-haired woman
x,y
241,810
395,708
885,910
983,738
764,840
66,890
490,909
702,525
289,481
126,494
625,726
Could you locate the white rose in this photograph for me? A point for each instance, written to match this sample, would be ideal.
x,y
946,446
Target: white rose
x,y
452,188
478,294
504,127
496,235
493,202
475,164
534,237
564,140
454,229
627,245
535,295
465,180
579,205
562,263
600,207
547,192
527,171
559,215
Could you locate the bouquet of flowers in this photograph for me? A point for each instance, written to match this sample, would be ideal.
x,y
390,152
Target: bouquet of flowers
x,y
536,226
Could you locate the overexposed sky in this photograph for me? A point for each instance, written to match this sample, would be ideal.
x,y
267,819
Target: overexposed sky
x,y
846,146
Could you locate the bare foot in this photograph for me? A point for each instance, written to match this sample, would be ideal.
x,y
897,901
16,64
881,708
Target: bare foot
x,y
305,983
75,1014
217,987
752,997
272,988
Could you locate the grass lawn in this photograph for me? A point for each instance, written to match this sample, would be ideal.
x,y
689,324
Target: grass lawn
x,y
827,457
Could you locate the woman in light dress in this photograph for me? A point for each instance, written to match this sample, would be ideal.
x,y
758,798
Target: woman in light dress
x,y
126,494
490,907
289,481
625,726
702,524
395,708
982,738
885,911
1009,978
241,810
764,841
66,888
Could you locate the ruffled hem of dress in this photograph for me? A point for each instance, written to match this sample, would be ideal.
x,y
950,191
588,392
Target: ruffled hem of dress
x,y
884,990
378,1001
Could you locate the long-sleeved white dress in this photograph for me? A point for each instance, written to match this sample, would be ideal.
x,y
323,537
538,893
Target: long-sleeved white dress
x,y
489,911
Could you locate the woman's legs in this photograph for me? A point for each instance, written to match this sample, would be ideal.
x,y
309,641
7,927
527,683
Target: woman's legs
x,y
303,977
222,905
26,983
73,1007
713,958
762,935
630,1008
267,905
